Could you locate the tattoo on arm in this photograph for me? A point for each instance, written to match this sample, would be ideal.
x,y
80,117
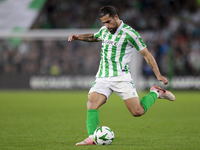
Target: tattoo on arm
x,y
87,38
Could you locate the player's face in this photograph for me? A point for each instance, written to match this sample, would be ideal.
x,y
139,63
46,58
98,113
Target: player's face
x,y
111,23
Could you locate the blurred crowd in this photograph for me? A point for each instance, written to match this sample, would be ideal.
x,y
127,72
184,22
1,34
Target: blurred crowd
x,y
49,57
170,28
140,14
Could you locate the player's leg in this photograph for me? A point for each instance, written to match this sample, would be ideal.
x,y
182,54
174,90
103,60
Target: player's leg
x,y
126,90
95,100
162,93
98,95
134,106
156,92
138,108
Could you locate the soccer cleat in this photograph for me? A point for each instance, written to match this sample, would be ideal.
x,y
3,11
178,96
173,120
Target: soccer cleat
x,y
163,94
87,141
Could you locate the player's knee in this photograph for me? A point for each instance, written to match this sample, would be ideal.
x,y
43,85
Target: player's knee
x,y
95,100
138,113
91,105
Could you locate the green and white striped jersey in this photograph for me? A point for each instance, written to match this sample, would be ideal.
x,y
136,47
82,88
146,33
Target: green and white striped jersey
x,y
116,50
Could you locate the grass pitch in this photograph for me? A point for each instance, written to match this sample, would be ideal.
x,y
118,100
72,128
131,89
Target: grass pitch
x,y
56,120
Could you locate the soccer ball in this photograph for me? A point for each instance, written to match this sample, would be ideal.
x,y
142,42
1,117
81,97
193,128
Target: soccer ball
x,y
103,135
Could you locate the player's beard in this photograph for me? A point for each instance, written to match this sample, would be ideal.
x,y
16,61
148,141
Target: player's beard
x,y
114,29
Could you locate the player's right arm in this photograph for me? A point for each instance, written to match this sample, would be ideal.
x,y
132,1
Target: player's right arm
x,y
83,37
152,63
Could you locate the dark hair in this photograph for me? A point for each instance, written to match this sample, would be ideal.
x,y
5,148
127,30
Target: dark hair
x,y
111,10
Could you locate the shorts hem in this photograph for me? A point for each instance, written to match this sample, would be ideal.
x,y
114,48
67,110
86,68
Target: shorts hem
x,y
130,97
99,93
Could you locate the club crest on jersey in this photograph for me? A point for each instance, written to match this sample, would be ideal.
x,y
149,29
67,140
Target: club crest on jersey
x,y
118,36
113,43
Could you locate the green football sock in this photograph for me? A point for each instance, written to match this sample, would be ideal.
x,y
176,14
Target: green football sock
x,y
92,121
148,100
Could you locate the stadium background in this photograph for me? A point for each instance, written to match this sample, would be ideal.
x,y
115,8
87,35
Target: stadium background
x,y
35,53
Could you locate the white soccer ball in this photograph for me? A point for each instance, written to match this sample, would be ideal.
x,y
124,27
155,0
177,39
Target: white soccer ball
x,y
103,135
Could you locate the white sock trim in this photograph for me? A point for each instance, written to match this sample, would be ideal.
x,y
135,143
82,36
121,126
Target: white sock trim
x,y
91,136
155,91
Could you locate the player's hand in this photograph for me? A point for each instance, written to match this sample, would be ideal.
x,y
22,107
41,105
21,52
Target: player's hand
x,y
163,79
73,37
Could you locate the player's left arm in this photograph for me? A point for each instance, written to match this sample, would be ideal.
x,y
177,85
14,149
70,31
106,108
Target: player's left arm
x,y
152,63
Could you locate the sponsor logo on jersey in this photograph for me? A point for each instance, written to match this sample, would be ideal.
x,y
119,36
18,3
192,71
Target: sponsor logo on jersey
x,y
113,43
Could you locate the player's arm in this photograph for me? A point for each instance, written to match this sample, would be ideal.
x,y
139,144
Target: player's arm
x,y
83,37
152,63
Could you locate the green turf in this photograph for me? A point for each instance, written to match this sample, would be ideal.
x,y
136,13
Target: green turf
x,y
55,120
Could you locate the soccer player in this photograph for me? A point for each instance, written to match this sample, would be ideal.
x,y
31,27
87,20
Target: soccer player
x,y
118,42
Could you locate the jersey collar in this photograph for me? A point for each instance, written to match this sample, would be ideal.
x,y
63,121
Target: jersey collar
x,y
120,27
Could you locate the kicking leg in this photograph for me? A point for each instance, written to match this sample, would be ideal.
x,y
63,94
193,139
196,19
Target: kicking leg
x,y
163,94
156,92
138,108
134,106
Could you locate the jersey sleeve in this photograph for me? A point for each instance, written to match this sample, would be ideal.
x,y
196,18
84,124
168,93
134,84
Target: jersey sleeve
x,y
98,35
135,40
